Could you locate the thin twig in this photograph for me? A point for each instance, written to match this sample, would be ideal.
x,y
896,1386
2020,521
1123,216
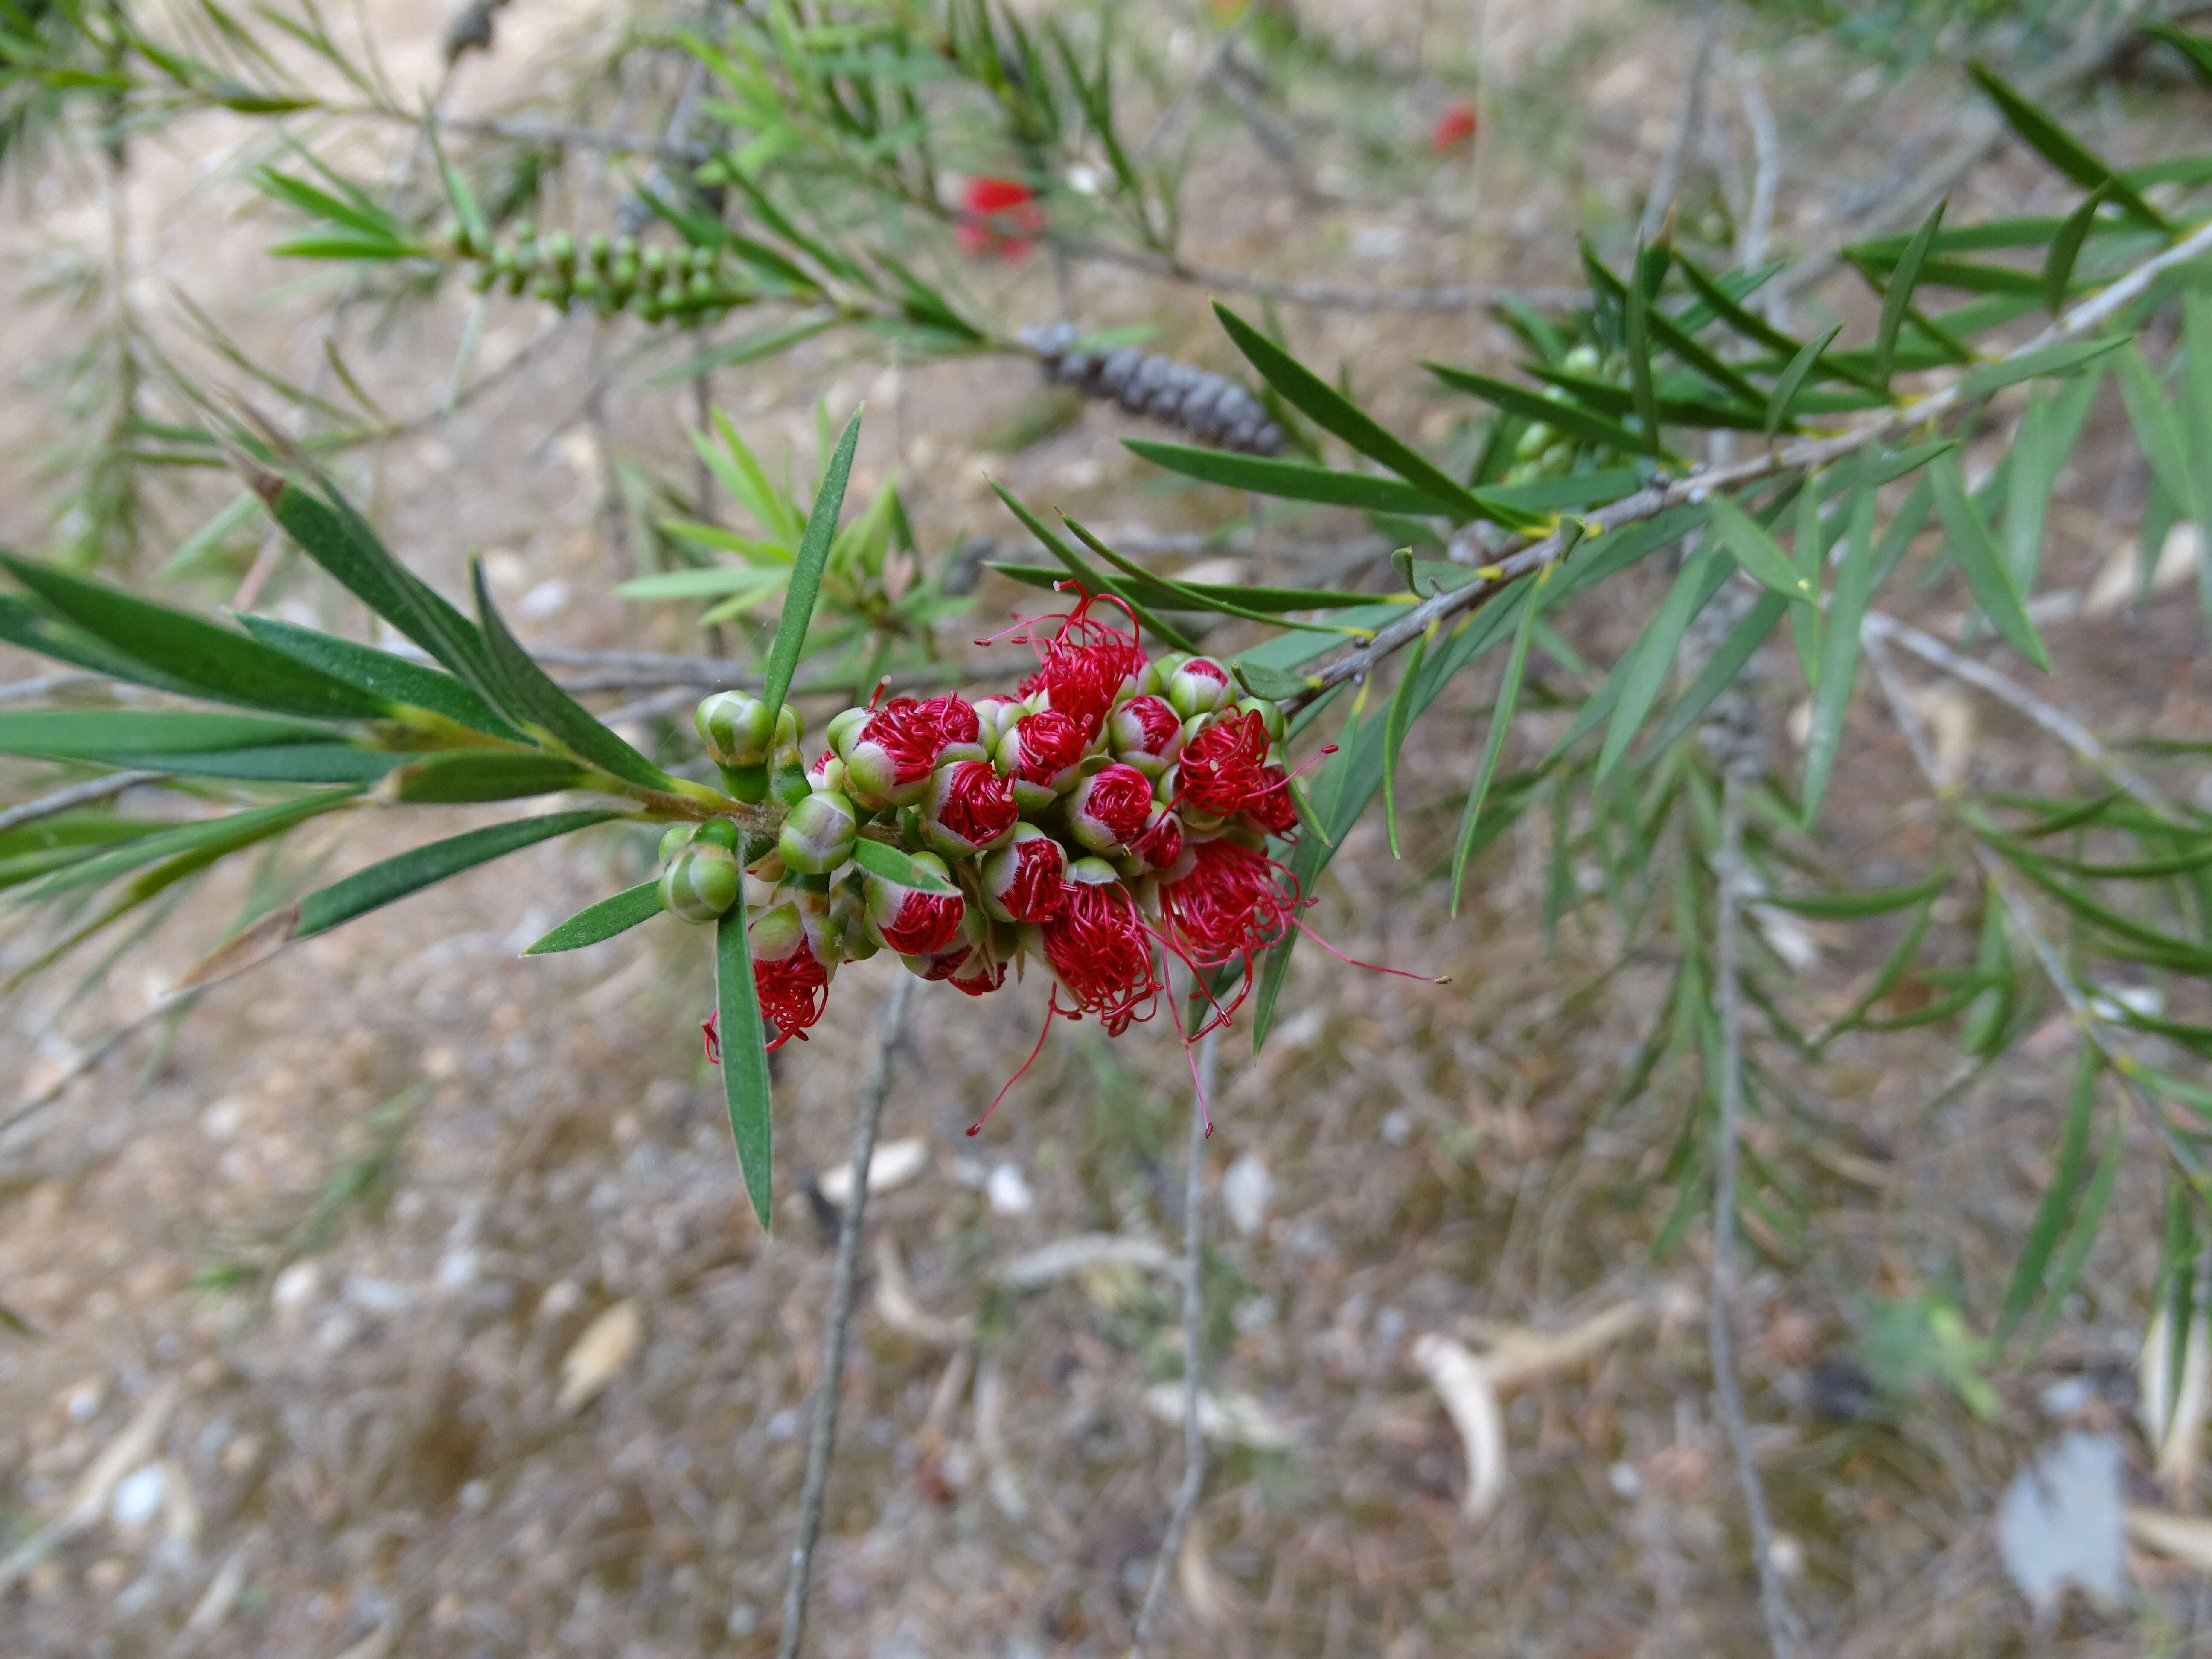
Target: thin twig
x,y
1802,454
2054,720
77,795
1328,295
1727,1399
1689,122
823,1441
93,1057
1194,1254
1767,174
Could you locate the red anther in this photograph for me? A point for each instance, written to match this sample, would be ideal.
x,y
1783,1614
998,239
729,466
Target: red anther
x,y
1224,769
972,804
1000,218
1100,951
1047,743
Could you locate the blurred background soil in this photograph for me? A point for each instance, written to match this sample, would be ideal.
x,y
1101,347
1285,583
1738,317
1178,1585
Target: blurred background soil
x,y
402,1298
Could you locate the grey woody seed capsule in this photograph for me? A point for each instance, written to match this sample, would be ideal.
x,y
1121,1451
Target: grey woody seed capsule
x,y
1208,406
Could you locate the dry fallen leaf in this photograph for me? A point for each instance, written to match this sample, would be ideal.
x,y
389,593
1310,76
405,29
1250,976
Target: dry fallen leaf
x,y
2174,1424
2115,586
2184,1538
1950,720
1462,1381
893,1165
609,1343
1063,1256
1237,1419
1209,1602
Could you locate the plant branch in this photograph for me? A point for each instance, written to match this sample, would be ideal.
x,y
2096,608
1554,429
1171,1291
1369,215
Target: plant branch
x,y
2054,720
822,1443
1193,1261
1727,1399
1799,454
1689,121
77,795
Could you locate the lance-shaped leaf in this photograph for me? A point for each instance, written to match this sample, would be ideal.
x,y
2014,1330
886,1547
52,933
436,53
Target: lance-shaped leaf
x,y
597,922
1792,377
1088,573
1394,734
2197,48
2083,1234
1839,654
1902,280
2159,433
1331,410
226,832
1756,328
216,662
744,1056
1501,721
1981,564
1892,969
2060,359
480,775
1750,546
1718,673
2061,149
1572,418
1652,656
2065,251
882,859
531,690
103,735
394,680
806,582
424,867
1865,902
1287,480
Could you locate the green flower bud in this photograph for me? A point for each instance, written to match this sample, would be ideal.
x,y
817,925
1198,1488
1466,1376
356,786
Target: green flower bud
x,y
1199,686
1534,441
819,834
700,883
719,832
734,726
560,249
1153,682
786,776
1271,716
1582,360
843,728
702,259
654,260
676,838
596,249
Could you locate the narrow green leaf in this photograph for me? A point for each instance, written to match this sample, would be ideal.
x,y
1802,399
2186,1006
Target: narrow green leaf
x,y
2066,250
1793,376
882,859
744,1057
2060,359
1981,564
2197,48
2061,149
530,690
1271,683
1719,672
1756,328
746,349
1637,344
597,922
233,830
1571,418
290,763
1394,736
1750,546
1902,280
2063,1278
2158,432
1866,901
1493,743
410,871
1287,480
1652,657
1331,410
234,668
395,680
783,652
101,734
1088,573
1839,654
1892,969
478,774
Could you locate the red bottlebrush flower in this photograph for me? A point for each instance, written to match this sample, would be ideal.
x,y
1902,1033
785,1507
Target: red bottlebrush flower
x,y
1109,809
1231,906
1146,734
790,981
1160,844
1223,767
1040,753
978,975
999,218
1022,880
892,757
969,807
959,729
1454,127
910,921
1085,666
1272,809
1099,950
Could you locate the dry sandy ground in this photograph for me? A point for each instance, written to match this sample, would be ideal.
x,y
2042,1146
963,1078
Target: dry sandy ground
x,y
407,1301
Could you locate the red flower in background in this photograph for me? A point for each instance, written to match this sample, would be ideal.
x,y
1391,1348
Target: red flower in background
x,y
1454,127
1000,219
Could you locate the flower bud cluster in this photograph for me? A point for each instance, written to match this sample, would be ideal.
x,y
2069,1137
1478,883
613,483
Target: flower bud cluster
x,y
1117,809
609,274
1210,407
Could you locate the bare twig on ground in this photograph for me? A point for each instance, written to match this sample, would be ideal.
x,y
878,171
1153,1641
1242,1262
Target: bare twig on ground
x,y
1803,454
1689,122
823,1442
77,795
2054,720
1194,1438
1727,1399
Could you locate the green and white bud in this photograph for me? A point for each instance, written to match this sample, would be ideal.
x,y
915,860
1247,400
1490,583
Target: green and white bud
x,y
735,728
1200,686
701,882
819,834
